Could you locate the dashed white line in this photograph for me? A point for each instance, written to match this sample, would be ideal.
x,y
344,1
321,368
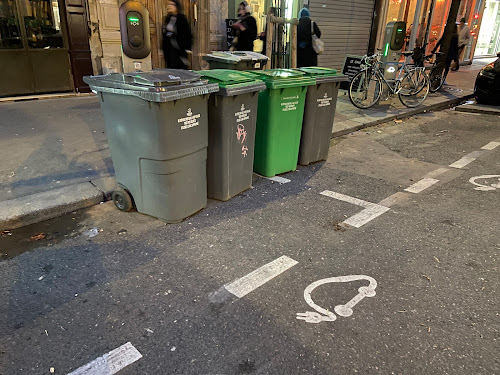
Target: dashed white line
x,y
490,146
260,276
347,198
111,362
421,185
279,179
462,162
437,172
371,211
365,216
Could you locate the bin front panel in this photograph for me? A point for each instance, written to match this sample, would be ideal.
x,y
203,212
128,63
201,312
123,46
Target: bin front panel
x,y
279,123
232,122
319,113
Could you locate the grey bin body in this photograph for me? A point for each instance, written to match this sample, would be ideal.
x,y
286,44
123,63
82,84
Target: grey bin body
x,y
232,117
241,60
157,128
319,113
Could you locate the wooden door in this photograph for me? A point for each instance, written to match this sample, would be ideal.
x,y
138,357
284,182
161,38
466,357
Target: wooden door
x,y
77,26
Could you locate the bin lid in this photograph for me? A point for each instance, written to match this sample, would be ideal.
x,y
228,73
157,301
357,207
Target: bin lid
x,y
318,71
233,82
160,85
235,57
282,78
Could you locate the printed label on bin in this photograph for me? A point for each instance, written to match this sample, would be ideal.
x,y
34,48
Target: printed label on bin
x,y
243,114
290,104
190,121
325,101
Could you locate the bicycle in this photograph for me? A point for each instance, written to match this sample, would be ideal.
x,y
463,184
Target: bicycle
x,y
411,84
435,72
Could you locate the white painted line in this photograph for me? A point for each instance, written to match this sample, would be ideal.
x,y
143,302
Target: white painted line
x,y
421,185
365,216
111,362
396,198
279,179
462,162
491,146
436,172
348,199
260,276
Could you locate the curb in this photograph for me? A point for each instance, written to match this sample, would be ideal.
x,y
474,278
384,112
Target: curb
x,y
27,98
402,116
474,109
31,209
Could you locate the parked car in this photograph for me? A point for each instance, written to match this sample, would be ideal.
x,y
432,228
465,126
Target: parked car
x,y
487,87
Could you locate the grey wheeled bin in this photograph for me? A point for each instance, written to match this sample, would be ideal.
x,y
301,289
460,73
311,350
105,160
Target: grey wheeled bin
x,y
232,116
319,113
156,123
238,60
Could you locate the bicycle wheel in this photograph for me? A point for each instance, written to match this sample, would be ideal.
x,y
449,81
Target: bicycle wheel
x,y
414,88
436,77
365,89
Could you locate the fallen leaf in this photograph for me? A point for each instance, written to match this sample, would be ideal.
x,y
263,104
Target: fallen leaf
x,y
38,237
398,121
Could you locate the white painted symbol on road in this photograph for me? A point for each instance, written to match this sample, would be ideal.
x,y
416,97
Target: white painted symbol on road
x,y
324,315
481,187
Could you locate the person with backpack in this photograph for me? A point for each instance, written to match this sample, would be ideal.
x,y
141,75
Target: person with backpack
x,y
306,55
177,37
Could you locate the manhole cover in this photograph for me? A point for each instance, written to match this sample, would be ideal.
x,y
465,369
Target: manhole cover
x,y
452,89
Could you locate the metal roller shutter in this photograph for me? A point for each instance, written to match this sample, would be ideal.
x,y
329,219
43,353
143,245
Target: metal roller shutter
x,y
345,28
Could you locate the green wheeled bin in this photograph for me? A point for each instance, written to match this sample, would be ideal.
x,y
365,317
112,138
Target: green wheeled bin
x,y
157,128
319,113
232,115
279,120
237,60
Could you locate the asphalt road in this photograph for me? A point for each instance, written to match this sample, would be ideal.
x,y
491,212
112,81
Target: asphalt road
x,y
420,296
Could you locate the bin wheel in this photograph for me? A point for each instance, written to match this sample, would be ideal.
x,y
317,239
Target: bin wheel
x,y
122,200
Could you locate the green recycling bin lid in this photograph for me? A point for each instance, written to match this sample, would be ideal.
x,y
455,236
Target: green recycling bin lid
x,y
282,78
318,71
323,75
233,82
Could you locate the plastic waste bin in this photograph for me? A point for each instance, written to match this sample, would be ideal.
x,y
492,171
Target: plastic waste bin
x,y
156,123
238,60
319,113
279,120
232,114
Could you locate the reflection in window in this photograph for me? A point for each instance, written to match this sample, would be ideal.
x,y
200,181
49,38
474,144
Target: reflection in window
x,y
10,35
43,24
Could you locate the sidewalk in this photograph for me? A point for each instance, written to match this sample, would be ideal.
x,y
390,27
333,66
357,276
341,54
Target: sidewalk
x,y
55,157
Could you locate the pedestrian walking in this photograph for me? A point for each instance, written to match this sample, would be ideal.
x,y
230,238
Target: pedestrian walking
x,y
452,51
306,56
245,29
463,38
177,37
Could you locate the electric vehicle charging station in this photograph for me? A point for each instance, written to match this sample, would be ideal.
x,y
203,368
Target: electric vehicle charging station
x,y
394,41
136,42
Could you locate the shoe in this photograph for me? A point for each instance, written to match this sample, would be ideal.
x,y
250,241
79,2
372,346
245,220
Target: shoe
x,y
445,83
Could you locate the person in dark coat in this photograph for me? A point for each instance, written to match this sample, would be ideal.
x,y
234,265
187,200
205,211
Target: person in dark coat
x,y
177,37
245,29
452,51
306,56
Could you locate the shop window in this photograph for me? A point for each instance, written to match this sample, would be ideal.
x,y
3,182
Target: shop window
x,y
43,24
10,34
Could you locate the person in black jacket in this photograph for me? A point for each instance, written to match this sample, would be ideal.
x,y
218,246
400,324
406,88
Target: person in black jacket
x,y
452,51
306,56
245,29
177,37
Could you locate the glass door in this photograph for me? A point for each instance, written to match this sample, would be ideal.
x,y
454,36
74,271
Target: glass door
x,y
488,39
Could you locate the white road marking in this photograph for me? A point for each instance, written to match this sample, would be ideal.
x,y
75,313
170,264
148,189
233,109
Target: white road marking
x,y
347,198
260,276
111,362
371,211
482,187
421,185
324,315
365,216
279,179
436,172
462,162
491,146
396,198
